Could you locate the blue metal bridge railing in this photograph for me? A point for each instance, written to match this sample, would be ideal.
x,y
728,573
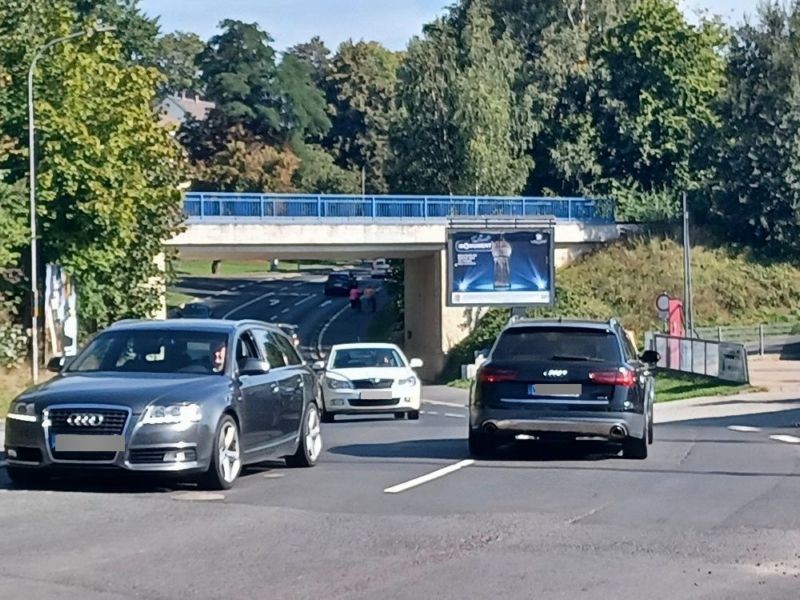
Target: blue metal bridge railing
x,y
225,206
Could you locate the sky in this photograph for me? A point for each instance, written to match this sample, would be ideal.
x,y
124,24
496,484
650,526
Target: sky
x,y
391,22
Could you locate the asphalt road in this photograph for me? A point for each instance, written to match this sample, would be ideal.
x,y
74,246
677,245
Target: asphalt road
x,y
713,513
294,298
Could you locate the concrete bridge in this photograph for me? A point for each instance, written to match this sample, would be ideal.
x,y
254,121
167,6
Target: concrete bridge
x,y
240,226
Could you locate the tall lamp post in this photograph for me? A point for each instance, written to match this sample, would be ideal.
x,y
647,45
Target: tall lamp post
x,y
32,185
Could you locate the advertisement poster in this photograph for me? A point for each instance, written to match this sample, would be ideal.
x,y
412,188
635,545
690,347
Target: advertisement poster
x,y
501,268
61,316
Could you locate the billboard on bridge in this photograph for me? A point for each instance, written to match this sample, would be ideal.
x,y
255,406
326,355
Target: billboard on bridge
x,y
500,267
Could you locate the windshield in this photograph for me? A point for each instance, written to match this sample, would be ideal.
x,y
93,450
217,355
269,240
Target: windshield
x,y
556,344
360,358
154,351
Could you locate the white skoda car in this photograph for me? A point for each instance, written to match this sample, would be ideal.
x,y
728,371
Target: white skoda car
x,y
369,378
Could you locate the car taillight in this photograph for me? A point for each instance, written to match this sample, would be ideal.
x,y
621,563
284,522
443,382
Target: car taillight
x,y
622,377
489,375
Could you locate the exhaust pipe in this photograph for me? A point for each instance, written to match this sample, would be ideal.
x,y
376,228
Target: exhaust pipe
x,y
617,432
489,427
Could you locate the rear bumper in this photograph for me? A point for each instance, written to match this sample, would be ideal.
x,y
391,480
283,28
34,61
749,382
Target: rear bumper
x,y
608,425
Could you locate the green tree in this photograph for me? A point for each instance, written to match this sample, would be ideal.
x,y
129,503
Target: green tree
x,y
136,32
316,55
466,122
757,195
660,78
362,91
107,172
176,58
319,174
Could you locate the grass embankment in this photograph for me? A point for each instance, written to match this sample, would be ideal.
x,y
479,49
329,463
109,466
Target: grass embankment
x,y
671,386
622,280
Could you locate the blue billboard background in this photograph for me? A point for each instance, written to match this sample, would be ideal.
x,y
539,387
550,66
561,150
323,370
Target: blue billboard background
x,y
512,268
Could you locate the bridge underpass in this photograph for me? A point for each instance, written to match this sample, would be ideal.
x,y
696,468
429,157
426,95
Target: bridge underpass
x,y
235,227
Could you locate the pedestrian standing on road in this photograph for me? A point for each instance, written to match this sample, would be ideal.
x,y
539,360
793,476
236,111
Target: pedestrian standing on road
x,y
355,299
369,296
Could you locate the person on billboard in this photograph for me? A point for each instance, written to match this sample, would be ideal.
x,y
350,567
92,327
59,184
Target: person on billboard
x,y
501,253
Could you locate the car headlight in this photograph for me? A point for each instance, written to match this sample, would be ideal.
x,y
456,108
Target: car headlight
x,y
408,381
22,411
338,384
173,413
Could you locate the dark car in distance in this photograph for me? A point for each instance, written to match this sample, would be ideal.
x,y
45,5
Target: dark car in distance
x,y
194,310
559,379
340,284
196,399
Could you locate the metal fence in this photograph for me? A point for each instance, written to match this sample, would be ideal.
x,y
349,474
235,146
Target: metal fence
x,y
776,338
723,360
268,207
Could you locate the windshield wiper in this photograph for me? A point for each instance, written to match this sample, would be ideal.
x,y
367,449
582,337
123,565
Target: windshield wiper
x,y
566,357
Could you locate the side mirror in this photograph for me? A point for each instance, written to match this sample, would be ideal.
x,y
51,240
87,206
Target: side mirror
x,y
253,366
318,365
415,363
651,357
55,364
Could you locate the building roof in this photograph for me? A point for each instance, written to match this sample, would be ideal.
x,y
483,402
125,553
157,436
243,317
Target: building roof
x,y
175,109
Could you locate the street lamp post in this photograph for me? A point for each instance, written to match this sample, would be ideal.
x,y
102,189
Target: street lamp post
x,y
32,187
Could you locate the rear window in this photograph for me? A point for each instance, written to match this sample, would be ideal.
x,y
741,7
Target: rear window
x,y
521,344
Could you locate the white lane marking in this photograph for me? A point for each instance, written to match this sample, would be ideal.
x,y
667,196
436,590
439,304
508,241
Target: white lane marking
x,y
285,310
326,303
327,325
298,284
273,475
198,496
744,428
274,302
440,403
455,416
306,299
432,412
246,304
402,487
789,439
273,318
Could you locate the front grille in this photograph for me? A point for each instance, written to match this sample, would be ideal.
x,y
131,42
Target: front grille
x,y
143,456
85,456
370,384
113,421
362,403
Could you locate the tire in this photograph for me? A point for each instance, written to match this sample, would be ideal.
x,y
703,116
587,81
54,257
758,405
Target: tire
x,y
399,415
310,446
327,417
413,415
22,477
636,448
650,435
481,445
226,456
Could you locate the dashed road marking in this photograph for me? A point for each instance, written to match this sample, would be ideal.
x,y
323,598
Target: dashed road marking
x,y
440,403
248,303
273,475
789,439
199,496
402,487
326,303
285,310
274,302
299,284
273,318
744,428
432,412
455,416
304,300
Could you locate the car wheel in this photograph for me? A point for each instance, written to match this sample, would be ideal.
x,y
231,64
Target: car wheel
x,y
636,448
650,435
481,445
226,456
399,415
310,446
413,415
27,477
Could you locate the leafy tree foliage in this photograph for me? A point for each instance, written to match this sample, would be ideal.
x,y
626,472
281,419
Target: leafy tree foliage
x,y
316,55
176,58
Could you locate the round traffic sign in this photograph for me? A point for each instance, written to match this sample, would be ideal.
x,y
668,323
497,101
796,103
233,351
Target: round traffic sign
x,y
662,302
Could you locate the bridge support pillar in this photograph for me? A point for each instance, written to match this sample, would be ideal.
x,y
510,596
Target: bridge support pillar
x,y
431,327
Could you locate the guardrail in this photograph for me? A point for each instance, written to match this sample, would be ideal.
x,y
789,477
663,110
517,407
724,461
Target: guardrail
x,y
270,207
722,360
757,339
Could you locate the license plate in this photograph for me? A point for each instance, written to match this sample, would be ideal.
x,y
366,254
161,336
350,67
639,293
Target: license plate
x,y
89,443
554,389
376,395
